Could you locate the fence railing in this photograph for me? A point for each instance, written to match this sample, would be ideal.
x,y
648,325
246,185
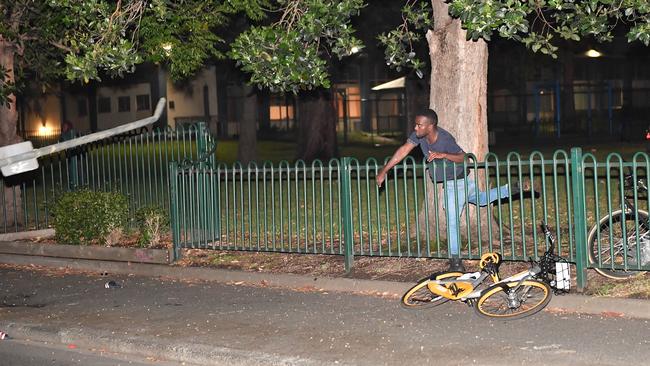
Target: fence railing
x,y
136,165
336,208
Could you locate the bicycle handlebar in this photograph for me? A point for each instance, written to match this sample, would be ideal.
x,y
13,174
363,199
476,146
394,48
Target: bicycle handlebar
x,y
549,234
628,183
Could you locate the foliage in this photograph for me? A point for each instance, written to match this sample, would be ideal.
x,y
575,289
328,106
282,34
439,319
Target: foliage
x,y
87,217
185,34
80,39
7,87
290,54
152,221
399,42
536,23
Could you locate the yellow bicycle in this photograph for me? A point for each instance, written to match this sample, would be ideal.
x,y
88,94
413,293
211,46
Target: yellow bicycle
x,y
517,296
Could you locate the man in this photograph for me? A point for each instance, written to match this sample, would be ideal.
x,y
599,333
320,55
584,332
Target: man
x,y
441,150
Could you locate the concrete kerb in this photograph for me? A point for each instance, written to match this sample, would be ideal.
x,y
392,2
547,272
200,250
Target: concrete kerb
x,y
567,303
174,351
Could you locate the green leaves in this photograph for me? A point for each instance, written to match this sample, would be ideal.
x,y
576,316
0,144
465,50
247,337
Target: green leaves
x,y
399,43
535,23
291,54
85,217
280,61
81,39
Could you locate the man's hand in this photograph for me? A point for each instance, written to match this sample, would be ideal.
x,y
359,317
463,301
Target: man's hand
x,y
435,155
381,176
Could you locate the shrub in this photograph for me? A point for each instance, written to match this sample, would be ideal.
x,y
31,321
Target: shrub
x,y
152,222
89,217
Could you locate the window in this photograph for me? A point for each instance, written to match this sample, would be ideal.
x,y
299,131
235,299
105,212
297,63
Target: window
x,y
142,102
352,95
123,104
82,107
171,104
281,114
104,105
280,109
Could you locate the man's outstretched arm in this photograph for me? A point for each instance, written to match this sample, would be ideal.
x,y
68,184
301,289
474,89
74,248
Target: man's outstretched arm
x,y
400,154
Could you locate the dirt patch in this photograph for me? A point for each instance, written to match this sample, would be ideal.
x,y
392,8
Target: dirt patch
x,y
372,268
383,268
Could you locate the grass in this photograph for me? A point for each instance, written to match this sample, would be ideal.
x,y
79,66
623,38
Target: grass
x,y
637,287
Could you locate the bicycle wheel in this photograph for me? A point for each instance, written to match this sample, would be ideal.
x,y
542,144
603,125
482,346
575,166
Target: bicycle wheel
x,y
599,242
513,300
420,297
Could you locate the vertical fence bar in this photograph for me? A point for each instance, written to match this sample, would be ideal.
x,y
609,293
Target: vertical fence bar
x,y
346,212
580,217
173,209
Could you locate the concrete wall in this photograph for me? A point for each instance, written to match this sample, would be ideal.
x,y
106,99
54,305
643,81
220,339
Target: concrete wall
x,y
115,118
188,100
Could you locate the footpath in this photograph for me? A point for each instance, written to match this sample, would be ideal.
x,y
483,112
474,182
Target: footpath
x,y
222,317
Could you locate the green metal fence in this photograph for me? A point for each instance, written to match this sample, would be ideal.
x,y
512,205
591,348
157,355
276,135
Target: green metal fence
x,y
136,165
336,208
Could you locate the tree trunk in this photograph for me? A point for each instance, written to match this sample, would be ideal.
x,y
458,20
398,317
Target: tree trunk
x,y
459,97
247,150
567,106
8,122
316,126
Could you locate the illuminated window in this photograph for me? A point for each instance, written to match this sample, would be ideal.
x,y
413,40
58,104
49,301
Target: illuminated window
x,y
352,95
280,109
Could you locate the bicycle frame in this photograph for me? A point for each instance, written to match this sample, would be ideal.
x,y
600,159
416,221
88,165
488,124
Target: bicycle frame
x,y
464,288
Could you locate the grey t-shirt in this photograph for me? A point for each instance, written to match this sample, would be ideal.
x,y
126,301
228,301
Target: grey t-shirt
x,y
445,143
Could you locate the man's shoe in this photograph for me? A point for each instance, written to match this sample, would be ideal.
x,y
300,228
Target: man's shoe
x,y
456,265
525,189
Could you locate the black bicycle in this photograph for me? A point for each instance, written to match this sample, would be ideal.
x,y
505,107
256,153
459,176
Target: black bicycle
x,y
614,240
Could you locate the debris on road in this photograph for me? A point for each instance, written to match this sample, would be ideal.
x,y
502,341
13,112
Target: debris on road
x,y
112,284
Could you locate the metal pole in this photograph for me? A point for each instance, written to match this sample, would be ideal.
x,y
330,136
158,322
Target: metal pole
x,y
346,212
579,217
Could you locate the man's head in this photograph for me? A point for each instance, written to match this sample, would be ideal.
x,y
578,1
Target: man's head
x,y
66,126
426,122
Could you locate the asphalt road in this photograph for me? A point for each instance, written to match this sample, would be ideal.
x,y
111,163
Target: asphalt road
x,y
212,323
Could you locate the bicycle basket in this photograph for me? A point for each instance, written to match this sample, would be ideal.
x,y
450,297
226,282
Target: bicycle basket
x,y
556,272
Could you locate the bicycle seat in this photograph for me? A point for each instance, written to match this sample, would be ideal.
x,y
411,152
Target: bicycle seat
x,y
489,258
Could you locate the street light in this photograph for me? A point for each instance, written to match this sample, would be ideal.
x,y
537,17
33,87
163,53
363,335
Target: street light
x,y
593,53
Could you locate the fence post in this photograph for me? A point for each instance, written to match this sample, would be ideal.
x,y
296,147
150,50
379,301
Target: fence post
x,y
173,209
346,212
201,142
579,217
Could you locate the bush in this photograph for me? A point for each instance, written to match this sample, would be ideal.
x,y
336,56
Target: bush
x,y
152,221
88,217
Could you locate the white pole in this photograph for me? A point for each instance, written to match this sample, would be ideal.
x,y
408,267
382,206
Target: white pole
x,y
50,149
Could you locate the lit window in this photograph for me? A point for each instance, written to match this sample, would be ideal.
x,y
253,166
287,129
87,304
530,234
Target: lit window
x,y
280,109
